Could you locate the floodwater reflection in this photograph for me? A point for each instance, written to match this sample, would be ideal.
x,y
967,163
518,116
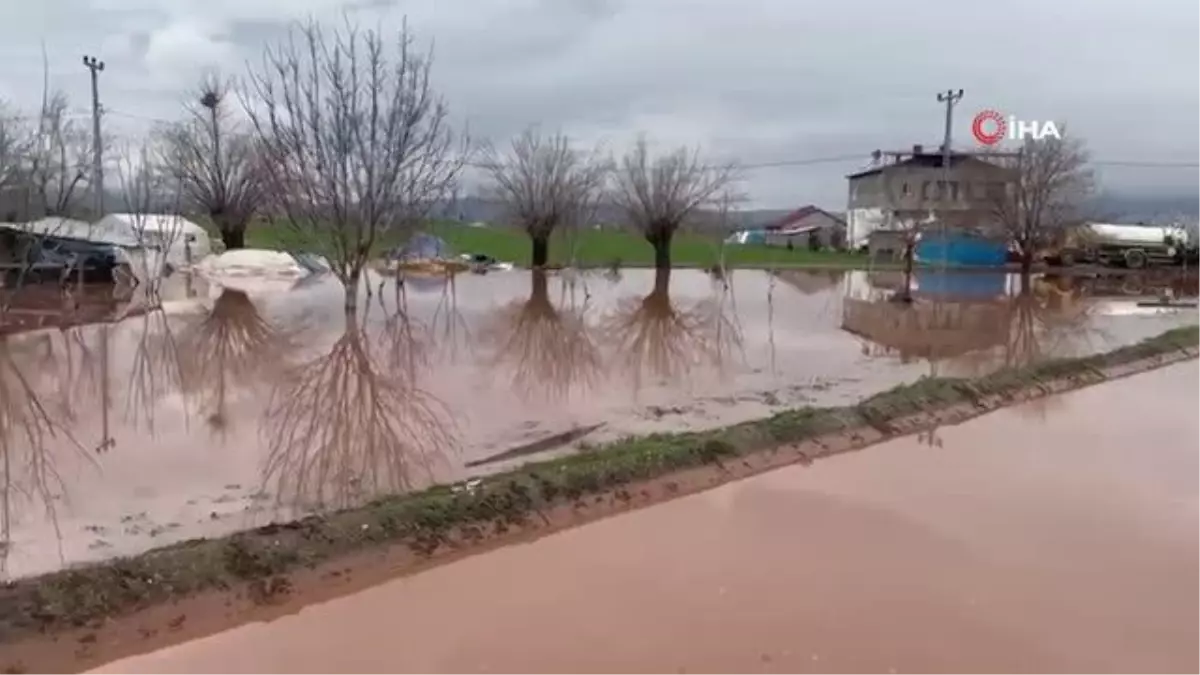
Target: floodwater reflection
x,y
552,350
29,420
154,372
656,336
444,332
975,335
346,425
114,402
231,345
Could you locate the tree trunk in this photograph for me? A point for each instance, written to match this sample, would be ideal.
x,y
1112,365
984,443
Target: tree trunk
x,y
661,241
909,254
233,237
1025,287
541,252
350,285
1026,260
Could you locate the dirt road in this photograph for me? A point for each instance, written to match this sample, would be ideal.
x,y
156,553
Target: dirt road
x,y
1057,536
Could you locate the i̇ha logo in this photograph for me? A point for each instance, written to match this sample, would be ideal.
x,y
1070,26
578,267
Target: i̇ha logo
x,y
990,127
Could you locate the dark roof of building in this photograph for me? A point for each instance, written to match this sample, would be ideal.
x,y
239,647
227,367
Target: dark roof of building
x,y
799,215
925,159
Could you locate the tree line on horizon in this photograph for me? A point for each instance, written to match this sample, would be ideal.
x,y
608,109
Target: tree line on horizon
x,y
340,135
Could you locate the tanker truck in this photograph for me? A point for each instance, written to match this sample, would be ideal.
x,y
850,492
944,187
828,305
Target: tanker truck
x,y
1132,246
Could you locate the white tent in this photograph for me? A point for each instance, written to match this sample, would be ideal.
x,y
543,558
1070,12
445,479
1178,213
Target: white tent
x,y
56,226
259,270
178,240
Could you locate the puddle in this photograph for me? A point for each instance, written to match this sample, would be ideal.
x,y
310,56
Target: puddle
x,y
1018,545
127,424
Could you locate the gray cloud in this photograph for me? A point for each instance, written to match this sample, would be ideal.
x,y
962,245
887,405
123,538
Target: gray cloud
x,y
759,81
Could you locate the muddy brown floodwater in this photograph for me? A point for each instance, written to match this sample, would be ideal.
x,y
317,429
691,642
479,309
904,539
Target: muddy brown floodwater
x,y
1056,536
218,410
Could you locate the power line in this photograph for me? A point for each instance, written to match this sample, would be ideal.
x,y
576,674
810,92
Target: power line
x,y
134,116
806,162
1149,165
785,163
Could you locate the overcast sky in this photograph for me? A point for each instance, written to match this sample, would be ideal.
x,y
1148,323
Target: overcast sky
x,y
753,80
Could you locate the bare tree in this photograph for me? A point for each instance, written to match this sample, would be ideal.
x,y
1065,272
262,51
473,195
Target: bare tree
x,y
1051,181
660,194
214,160
15,142
152,196
723,225
60,159
356,143
544,183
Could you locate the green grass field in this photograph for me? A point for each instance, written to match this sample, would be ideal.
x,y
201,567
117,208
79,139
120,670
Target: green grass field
x,y
592,248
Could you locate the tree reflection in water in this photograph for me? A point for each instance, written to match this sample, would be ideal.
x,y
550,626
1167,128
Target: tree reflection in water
x,y
231,344
406,347
156,370
653,335
344,426
552,350
31,431
972,339
449,329
1040,322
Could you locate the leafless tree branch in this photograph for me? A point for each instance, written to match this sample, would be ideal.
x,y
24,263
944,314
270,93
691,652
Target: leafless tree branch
x,y
59,160
661,194
544,183
1051,182
215,161
15,143
356,143
148,190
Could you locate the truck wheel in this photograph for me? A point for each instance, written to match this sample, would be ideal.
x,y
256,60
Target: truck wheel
x,y
1135,259
1066,258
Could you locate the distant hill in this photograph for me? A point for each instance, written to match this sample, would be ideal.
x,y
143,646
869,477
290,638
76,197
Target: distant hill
x,y
1108,205
1157,209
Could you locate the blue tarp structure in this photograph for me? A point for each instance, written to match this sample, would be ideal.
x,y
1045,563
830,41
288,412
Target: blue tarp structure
x,y
422,246
747,237
961,250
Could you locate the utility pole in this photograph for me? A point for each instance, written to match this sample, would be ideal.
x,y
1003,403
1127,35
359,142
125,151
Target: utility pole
x,y
950,98
96,66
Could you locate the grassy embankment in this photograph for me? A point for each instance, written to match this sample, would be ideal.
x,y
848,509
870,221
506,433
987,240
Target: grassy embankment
x,y
593,248
430,520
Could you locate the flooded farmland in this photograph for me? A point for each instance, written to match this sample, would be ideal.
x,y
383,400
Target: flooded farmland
x,y
130,424
1011,545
